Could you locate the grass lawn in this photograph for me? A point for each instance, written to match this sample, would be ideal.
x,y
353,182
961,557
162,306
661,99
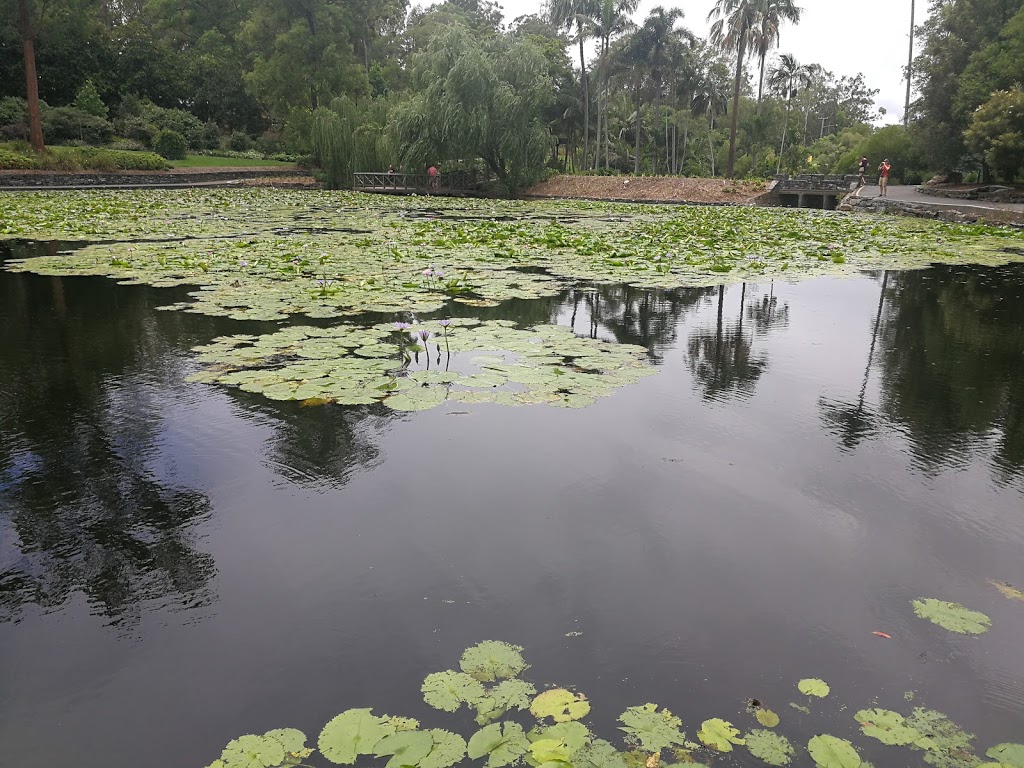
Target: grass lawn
x,y
206,161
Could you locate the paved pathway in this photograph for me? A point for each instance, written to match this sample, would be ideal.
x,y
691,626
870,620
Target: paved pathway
x,y
909,194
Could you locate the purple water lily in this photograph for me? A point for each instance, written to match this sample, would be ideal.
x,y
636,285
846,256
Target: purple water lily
x,y
424,334
401,326
445,323
243,263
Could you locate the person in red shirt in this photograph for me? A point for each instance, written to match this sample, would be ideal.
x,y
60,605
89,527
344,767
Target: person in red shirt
x,y
432,173
883,177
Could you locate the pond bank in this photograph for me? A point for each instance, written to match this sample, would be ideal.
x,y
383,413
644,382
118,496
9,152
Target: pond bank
x,y
651,189
959,213
190,177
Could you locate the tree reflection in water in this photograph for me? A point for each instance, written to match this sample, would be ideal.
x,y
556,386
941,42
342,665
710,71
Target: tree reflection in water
x,y
949,343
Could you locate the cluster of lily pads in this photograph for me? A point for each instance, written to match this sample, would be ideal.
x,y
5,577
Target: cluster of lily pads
x,y
489,682
267,254
416,367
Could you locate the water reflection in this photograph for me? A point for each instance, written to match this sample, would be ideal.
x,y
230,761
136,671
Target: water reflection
x,y
722,358
948,345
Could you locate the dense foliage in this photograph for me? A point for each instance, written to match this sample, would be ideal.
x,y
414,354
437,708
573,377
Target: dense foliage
x,y
582,86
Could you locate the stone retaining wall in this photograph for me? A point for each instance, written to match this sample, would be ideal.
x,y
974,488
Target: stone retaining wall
x,y
992,193
30,179
917,210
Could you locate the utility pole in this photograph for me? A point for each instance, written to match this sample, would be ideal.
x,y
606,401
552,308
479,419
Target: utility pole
x,y
823,121
910,68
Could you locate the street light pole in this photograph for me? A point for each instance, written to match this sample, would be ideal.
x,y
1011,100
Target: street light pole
x,y
910,67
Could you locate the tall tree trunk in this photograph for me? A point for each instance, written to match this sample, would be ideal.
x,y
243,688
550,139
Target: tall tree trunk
x,y
35,123
686,136
657,127
636,166
711,146
785,127
607,133
736,107
910,67
760,84
586,100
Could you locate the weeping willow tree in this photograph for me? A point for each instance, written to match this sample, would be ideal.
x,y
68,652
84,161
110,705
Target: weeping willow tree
x,y
479,100
350,136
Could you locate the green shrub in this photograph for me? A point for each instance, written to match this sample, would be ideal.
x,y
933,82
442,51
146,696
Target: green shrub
x,y
209,138
88,100
10,160
13,118
135,128
127,145
185,123
64,124
170,144
241,142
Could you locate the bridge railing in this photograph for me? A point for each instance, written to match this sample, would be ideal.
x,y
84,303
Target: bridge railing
x,y
451,182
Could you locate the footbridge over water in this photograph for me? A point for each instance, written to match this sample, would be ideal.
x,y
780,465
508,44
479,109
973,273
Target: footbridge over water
x,y
815,190
451,184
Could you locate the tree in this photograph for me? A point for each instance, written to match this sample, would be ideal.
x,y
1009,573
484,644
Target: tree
x,y
660,39
786,78
479,99
772,13
732,30
611,20
997,132
26,29
576,14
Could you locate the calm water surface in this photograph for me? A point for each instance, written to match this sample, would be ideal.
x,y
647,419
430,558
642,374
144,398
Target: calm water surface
x,y
180,564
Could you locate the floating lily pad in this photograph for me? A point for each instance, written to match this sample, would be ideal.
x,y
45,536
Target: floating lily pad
x,y
449,690
831,752
1007,754
492,660
888,727
560,705
770,748
952,616
502,743
812,686
1008,590
766,717
406,748
719,735
253,752
503,697
448,749
651,728
352,733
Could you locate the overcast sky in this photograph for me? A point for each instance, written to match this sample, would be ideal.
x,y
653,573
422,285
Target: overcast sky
x,y
869,36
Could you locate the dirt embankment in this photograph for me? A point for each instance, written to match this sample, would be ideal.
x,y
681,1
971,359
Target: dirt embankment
x,y
651,189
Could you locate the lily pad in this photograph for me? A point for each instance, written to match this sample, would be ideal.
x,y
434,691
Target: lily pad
x,y
502,743
812,686
831,752
770,748
253,752
407,748
505,696
766,717
1008,590
1008,754
352,733
492,660
560,705
952,616
719,734
449,690
651,729
598,754
888,727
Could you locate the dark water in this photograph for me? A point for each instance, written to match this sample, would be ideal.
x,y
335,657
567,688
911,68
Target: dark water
x,y
180,564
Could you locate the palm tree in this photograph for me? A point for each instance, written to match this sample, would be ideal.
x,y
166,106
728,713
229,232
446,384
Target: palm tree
x,y
786,78
766,37
611,21
732,29
711,97
659,36
569,15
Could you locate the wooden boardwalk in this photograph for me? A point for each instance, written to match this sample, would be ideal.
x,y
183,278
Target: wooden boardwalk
x,y
455,184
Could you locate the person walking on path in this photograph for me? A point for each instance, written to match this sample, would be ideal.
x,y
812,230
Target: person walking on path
x,y
863,170
432,172
883,177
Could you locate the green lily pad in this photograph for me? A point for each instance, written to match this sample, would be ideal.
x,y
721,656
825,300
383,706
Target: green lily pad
x,y
492,660
766,717
505,696
812,686
719,734
502,743
253,752
449,749
888,727
831,752
770,748
1008,754
449,690
952,616
560,705
352,733
407,748
598,754
651,729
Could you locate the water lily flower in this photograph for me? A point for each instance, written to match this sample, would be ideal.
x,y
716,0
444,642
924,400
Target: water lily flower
x,y
424,334
445,323
401,326
243,263
296,261
428,272
440,273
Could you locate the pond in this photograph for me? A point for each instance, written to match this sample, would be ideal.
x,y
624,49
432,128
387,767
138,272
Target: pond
x,y
774,472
